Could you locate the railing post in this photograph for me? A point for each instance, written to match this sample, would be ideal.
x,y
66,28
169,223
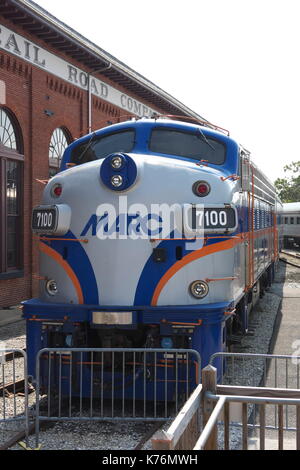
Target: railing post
x,y
162,441
209,384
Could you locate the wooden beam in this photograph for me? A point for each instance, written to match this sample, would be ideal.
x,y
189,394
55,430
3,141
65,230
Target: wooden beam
x,y
245,426
262,426
164,440
258,392
184,417
209,384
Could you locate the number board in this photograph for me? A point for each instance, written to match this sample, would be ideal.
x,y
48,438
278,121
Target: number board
x,y
44,219
214,218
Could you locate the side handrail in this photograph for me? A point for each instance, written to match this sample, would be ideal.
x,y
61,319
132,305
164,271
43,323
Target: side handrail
x,y
211,423
168,440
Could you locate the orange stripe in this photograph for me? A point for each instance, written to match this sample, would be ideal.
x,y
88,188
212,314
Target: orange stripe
x,y
206,250
67,268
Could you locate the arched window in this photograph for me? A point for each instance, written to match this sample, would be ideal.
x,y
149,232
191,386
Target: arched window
x,y
59,141
7,131
11,175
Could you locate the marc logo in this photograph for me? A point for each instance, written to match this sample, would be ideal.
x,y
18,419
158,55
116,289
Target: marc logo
x,y
138,221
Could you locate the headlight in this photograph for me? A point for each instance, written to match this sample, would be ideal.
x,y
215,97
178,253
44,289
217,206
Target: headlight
x,y
117,181
118,171
51,287
198,289
116,162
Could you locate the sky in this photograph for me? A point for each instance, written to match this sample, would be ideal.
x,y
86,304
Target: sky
x,y
234,62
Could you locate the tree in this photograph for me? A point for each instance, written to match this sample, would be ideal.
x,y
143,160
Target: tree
x,y
288,189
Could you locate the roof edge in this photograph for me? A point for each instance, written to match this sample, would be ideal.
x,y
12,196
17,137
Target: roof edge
x,y
43,15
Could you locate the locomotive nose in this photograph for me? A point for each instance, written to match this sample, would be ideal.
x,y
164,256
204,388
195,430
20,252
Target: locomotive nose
x,y
118,171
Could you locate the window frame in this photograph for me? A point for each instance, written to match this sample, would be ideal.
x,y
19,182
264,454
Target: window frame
x,y
186,132
93,141
55,163
8,154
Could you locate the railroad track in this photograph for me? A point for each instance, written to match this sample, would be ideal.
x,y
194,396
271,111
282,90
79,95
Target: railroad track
x,y
15,388
10,356
290,257
294,254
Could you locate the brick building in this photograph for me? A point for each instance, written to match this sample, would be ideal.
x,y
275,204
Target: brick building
x,y
55,86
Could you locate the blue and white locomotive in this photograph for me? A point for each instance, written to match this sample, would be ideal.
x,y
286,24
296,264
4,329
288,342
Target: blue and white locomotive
x,y
156,233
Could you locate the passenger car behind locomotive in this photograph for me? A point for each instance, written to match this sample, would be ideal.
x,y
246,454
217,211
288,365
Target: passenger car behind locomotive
x,y
291,224
114,275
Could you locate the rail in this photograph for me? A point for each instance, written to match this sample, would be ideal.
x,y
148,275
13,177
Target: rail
x,y
14,388
278,370
75,382
263,370
226,409
114,384
227,395
184,430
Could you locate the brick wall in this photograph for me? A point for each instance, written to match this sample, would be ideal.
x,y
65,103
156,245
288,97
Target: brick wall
x,y
28,92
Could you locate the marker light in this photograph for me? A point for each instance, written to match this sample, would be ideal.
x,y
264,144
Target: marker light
x,y
51,287
166,343
201,188
69,340
198,289
116,181
56,190
116,162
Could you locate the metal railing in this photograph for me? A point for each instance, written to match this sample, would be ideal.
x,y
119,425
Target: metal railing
x,y
113,384
248,369
14,387
222,406
154,385
263,370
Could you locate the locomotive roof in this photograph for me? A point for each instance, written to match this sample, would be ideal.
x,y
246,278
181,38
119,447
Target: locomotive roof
x,y
152,122
176,121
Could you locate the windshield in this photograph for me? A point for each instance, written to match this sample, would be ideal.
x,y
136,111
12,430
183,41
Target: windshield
x,y
100,147
185,144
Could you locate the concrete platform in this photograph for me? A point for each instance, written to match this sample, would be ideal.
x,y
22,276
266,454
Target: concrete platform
x,y
271,442
285,341
291,293
10,315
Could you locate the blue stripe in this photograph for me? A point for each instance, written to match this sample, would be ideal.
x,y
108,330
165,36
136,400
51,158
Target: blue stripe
x,y
77,258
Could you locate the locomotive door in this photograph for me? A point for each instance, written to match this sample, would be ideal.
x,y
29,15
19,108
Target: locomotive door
x,y
248,203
